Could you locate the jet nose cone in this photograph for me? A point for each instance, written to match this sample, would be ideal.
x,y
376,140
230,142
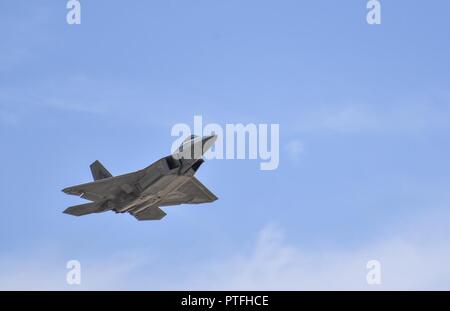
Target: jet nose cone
x,y
208,142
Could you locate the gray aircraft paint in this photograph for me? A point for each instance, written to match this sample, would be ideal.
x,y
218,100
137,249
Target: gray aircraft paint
x,y
168,181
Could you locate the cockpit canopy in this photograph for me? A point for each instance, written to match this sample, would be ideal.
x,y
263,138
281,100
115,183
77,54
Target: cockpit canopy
x,y
193,147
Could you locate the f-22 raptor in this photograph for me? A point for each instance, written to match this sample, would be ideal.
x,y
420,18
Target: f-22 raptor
x,y
168,181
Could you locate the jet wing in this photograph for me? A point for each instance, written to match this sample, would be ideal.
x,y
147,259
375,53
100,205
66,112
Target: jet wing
x,y
190,192
102,188
150,213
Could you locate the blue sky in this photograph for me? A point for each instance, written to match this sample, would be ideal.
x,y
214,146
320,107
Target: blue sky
x,y
364,114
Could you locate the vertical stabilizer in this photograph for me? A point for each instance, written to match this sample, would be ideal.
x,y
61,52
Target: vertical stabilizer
x,y
99,171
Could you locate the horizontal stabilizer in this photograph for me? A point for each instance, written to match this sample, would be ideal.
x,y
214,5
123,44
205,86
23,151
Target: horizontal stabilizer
x,y
84,209
150,213
99,171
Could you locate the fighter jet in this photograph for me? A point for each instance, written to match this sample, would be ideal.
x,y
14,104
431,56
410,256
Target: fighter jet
x,y
168,181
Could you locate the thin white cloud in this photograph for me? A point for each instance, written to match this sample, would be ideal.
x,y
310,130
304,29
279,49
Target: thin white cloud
x,y
46,270
8,118
72,94
415,257
86,94
418,114
294,149
274,264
